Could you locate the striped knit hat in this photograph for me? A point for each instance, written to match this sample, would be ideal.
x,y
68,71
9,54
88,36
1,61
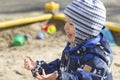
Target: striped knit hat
x,y
88,17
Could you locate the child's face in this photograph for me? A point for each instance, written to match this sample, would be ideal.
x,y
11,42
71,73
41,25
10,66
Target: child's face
x,y
69,30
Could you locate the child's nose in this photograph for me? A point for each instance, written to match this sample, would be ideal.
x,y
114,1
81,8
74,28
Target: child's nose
x,y
66,27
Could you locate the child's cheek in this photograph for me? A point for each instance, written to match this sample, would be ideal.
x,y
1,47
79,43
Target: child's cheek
x,y
70,38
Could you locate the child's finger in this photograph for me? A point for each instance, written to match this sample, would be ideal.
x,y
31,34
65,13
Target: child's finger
x,y
31,60
25,60
43,72
26,66
55,74
25,63
38,76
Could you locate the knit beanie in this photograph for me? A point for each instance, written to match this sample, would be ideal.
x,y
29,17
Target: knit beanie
x,y
88,17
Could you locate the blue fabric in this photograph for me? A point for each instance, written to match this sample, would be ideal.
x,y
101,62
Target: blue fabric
x,y
55,65
91,54
68,76
85,75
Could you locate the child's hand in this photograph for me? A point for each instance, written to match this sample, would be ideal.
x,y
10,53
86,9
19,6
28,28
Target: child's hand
x,y
52,76
29,65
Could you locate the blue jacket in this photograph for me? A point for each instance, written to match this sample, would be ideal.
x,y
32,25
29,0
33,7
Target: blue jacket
x,y
89,61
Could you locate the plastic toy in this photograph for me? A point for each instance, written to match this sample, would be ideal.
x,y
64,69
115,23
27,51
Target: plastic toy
x,y
18,40
52,7
40,36
51,29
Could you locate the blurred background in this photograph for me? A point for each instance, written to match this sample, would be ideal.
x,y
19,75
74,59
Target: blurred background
x,y
27,6
39,44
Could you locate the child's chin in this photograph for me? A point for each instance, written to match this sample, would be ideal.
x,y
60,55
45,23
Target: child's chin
x,y
70,41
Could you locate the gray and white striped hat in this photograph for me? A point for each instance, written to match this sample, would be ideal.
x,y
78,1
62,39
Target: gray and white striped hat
x,y
88,17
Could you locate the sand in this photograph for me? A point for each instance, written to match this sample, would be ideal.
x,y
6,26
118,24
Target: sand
x,y
11,58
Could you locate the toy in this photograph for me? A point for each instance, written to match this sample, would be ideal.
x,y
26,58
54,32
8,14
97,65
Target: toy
x,y
18,40
40,36
27,36
51,29
45,27
52,7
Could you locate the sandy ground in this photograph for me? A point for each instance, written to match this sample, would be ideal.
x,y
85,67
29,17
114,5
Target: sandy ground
x,y
11,58
48,49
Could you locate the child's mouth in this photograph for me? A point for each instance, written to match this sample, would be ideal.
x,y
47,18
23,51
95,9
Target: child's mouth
x,y
69,35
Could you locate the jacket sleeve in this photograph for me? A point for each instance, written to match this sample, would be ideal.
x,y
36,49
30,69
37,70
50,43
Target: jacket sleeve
x,y
49,68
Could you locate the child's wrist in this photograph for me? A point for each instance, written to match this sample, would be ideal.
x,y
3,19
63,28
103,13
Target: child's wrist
x,y
37,68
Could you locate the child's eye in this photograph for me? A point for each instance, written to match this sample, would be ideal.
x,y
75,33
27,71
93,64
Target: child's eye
x,y
71,24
